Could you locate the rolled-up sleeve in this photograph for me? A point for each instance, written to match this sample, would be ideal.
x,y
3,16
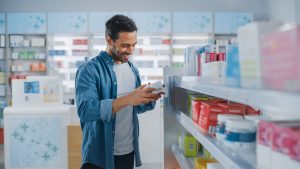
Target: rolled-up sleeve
x,y
89,105
145,107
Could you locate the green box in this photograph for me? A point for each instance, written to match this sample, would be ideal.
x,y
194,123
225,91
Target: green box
x,y
190,146
23,54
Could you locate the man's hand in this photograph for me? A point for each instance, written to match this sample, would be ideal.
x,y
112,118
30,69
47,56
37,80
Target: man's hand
x,y
141,95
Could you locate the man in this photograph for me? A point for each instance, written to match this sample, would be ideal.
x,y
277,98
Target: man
x,y
109,96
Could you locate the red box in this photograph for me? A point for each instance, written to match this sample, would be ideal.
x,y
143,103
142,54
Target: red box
x,y
251,111
208,116
211,57
80,41
166,41
196,108
233,108
265,131
221,56
1,136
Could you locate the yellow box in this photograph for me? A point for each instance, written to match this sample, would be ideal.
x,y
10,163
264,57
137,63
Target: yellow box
x,y
201,162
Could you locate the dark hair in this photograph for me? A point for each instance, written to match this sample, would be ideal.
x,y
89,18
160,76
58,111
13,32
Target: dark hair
x,y
117,24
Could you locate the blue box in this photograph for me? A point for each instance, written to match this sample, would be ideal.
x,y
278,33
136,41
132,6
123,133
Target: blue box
x,y
233,77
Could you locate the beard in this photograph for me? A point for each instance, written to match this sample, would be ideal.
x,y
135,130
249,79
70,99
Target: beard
x,y
117,56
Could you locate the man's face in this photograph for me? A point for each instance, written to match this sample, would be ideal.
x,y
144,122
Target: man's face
x,y
122,48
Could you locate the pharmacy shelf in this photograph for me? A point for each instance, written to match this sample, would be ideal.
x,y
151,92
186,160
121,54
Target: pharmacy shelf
x,y
266,100
229,158
184,162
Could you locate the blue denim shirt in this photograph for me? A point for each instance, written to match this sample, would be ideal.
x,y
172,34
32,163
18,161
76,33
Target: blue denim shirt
x,y
96,88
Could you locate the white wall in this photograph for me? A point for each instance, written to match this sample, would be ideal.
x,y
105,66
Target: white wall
x,y
297,9
285,10
258,7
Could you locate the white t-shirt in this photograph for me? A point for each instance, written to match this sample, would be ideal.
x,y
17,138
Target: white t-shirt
x,y
123,143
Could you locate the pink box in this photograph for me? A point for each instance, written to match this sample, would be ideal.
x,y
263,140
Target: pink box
x,y
282,137
281,60
294,146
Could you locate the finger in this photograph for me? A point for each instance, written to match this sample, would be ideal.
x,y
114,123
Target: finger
x,y
149,90
146,100
142,86
150,95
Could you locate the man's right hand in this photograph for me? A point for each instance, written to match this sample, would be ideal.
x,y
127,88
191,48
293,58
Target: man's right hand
x,y
141,95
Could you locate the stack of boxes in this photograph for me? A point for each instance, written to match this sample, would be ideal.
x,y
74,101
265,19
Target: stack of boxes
x,y
278,144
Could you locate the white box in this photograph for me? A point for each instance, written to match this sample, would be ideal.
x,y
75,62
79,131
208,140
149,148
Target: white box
x,y
38,42
2,41
2,53
15,55
37,91
280,161
36,138
2,90
263,155
249,40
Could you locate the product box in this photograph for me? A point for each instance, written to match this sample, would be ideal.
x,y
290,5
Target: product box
x,y
38,42
281,140
2,53
196,108
201,162
233,108
281,60
249,38
208,116
265,134
232,74
190,145
192,97
251,111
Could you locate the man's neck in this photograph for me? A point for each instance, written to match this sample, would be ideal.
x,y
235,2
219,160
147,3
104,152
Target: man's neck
x,y
110,54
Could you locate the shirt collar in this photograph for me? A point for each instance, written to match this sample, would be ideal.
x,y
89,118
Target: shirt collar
x,y
107,57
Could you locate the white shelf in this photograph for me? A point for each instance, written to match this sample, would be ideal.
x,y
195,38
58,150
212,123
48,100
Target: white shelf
x,y
226,156
267,100
184,162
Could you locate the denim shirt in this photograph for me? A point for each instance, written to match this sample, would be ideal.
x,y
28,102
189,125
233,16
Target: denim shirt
x,y
96,88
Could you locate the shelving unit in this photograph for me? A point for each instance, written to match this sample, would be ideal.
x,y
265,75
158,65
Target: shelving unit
x,y
269,101
66,54
226,156
181,41
152,53
3,79
184,162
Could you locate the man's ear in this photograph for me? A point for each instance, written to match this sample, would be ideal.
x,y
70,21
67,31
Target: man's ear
x,y
109,40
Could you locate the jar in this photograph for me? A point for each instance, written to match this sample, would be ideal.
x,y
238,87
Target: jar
x,y
221,126
240,134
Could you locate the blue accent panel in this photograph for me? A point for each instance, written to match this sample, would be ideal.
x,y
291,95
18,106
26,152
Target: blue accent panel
x,y
26,23
192,22
152,22
240,137
2,23
229,22
35,142
67,23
